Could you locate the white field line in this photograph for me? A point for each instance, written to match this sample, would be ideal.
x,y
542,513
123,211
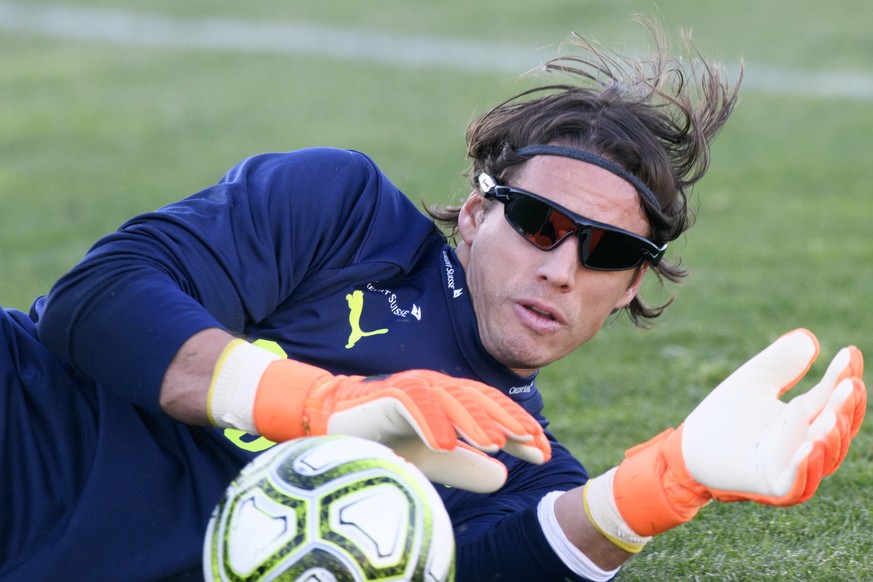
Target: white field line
x,y
353,44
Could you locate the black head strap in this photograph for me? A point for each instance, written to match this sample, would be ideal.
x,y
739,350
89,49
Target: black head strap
x,y
583,156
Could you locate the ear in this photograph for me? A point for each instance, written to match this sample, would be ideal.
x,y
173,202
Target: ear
x,y
633,287
470,217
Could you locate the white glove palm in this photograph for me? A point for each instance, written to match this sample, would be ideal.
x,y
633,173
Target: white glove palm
x,y
742,442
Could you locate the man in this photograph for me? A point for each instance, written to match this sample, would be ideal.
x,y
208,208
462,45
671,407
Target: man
x,y
304,294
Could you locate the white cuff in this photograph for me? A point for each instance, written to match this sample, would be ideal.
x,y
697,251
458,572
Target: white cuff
x,y
599,502
235,382
572,556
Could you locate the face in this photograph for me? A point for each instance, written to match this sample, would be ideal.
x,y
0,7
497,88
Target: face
x,y
532,306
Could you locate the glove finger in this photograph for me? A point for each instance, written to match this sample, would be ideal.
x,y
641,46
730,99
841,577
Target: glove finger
x,y
837,424
525,426
464,467
856,365
505,412
810,473
832,436
830,450
456,399
860,402
434,423
536,451
513,421
812,450
524,436
779,366
469,419
841,367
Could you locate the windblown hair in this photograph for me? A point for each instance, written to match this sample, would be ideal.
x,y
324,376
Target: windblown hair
x,y
656,117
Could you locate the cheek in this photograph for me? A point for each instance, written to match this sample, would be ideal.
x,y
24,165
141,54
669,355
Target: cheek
x,y
482,276
601,293
500,257
493,268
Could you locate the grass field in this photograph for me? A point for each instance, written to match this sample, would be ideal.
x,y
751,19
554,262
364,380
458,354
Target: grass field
x,y
110,109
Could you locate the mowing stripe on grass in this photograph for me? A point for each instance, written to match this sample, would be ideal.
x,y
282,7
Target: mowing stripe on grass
x,y
354,44
131,28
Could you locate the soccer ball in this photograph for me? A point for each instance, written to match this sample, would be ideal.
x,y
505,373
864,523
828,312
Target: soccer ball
x,y
331,508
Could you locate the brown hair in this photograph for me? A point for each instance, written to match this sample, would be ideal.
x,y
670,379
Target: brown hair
x,y
655,117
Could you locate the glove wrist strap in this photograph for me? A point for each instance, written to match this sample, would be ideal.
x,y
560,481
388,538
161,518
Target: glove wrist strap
x,y
653,490
280,404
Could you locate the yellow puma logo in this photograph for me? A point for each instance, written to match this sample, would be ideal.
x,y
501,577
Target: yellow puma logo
x,y
356,307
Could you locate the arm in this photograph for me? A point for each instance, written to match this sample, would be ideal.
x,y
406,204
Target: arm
x,y
185,387
421,414
223,258
583,535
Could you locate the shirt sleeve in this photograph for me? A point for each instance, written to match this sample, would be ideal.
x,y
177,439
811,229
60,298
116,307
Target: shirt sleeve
x,y
499,536
224,257
516,550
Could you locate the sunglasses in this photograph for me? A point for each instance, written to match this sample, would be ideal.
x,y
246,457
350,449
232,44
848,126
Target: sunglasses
x,y
545,225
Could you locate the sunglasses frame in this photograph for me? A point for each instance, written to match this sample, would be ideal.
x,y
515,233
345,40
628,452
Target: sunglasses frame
x,y
491,190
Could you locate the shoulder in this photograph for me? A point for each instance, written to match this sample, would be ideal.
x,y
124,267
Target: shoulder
x,y
307,166
313,180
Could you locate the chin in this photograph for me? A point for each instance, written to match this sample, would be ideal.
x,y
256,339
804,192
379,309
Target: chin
x,y
525,364
519,353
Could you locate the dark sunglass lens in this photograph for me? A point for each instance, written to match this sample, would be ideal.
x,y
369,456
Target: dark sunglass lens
x,y
530,217
537,221
605,249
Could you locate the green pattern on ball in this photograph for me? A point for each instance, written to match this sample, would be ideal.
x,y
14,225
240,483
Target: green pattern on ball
x,y
319,489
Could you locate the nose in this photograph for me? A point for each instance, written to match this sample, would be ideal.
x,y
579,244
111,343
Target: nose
x,y
558,267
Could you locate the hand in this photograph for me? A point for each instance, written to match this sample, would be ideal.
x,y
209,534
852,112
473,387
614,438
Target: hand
x,y
741,443
421,414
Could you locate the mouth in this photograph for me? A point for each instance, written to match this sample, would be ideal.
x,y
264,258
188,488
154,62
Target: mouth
x,y
539,316
541,312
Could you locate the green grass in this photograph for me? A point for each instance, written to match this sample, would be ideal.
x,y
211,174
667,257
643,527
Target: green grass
x,y
91,134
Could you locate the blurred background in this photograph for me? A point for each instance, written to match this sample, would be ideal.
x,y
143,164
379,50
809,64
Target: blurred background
x,y
110,109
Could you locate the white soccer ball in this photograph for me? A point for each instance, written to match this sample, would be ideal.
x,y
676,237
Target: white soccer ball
x,y
330,508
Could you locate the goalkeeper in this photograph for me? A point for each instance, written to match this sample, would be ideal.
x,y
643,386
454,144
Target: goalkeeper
x,y
304,294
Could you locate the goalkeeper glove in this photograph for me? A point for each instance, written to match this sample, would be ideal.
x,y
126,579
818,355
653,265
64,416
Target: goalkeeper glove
x,y
421,414
741,443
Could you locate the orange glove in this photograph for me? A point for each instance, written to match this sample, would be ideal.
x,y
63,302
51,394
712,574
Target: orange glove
x,y
740,444
421,414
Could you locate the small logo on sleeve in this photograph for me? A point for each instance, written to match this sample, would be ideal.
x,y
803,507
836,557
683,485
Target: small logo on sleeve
x,y
450,277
